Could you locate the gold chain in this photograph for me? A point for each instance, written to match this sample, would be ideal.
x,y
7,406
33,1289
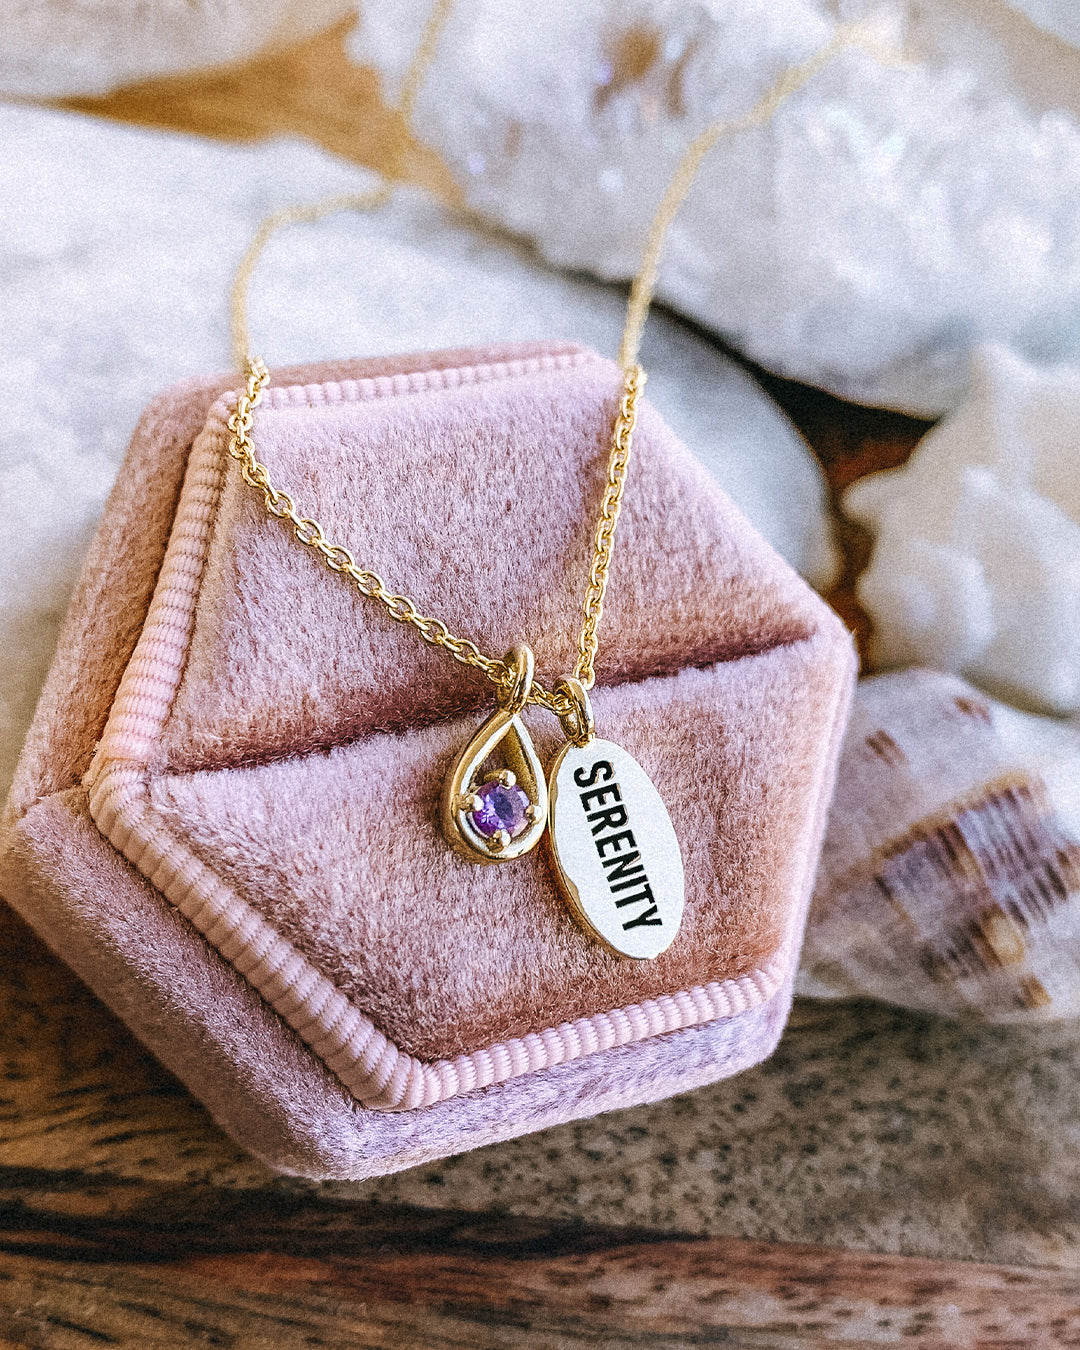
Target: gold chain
x,y
401,608
310,533
604,540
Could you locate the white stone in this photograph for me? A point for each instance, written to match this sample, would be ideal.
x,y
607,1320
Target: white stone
x,y
1061,17
115,263
57,47
889,219
976,562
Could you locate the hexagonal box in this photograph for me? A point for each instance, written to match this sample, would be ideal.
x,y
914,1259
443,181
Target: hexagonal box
x,y
226,817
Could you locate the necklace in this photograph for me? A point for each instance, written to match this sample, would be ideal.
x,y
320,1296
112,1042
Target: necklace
x,y
616,853
617,858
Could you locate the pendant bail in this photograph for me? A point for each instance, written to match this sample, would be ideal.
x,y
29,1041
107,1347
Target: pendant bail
x,y
521,663
577,720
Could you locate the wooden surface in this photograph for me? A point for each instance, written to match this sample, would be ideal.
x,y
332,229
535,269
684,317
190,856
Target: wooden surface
x,y
126,1217
141,1265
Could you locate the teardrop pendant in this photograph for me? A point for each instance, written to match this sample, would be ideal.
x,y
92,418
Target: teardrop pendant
x,y
503,815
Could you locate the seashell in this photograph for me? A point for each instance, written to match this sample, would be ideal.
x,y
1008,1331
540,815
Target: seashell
x,y
976,566
950,876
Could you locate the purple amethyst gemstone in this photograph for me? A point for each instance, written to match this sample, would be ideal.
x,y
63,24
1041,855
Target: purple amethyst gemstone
x,y
501,808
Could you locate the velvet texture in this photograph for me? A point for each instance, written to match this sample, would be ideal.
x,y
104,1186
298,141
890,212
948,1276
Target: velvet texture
x,y
306,745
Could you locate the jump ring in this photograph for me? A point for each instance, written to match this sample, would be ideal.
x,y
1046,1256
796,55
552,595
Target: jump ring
x,y
577,721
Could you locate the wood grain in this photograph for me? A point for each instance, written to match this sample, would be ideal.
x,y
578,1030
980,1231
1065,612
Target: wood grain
x,y
139,1265
77,1091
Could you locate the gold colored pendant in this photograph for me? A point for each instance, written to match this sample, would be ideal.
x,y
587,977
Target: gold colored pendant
x,y
617,857
503,814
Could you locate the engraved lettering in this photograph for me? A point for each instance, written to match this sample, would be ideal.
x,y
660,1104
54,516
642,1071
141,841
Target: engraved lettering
x,y
613,818
624,872
599,796
644,894
615,839
601,768
615,847
644,920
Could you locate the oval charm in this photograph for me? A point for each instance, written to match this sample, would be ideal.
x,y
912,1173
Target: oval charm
x,y
616,854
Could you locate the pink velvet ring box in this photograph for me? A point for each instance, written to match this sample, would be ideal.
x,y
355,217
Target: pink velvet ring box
x,y
226,817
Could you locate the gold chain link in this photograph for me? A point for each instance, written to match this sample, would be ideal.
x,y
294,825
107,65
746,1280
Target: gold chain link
x,y
604,539
310,533
401,608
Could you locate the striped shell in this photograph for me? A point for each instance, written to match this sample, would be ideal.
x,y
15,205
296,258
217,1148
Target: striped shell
x,y
950,877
